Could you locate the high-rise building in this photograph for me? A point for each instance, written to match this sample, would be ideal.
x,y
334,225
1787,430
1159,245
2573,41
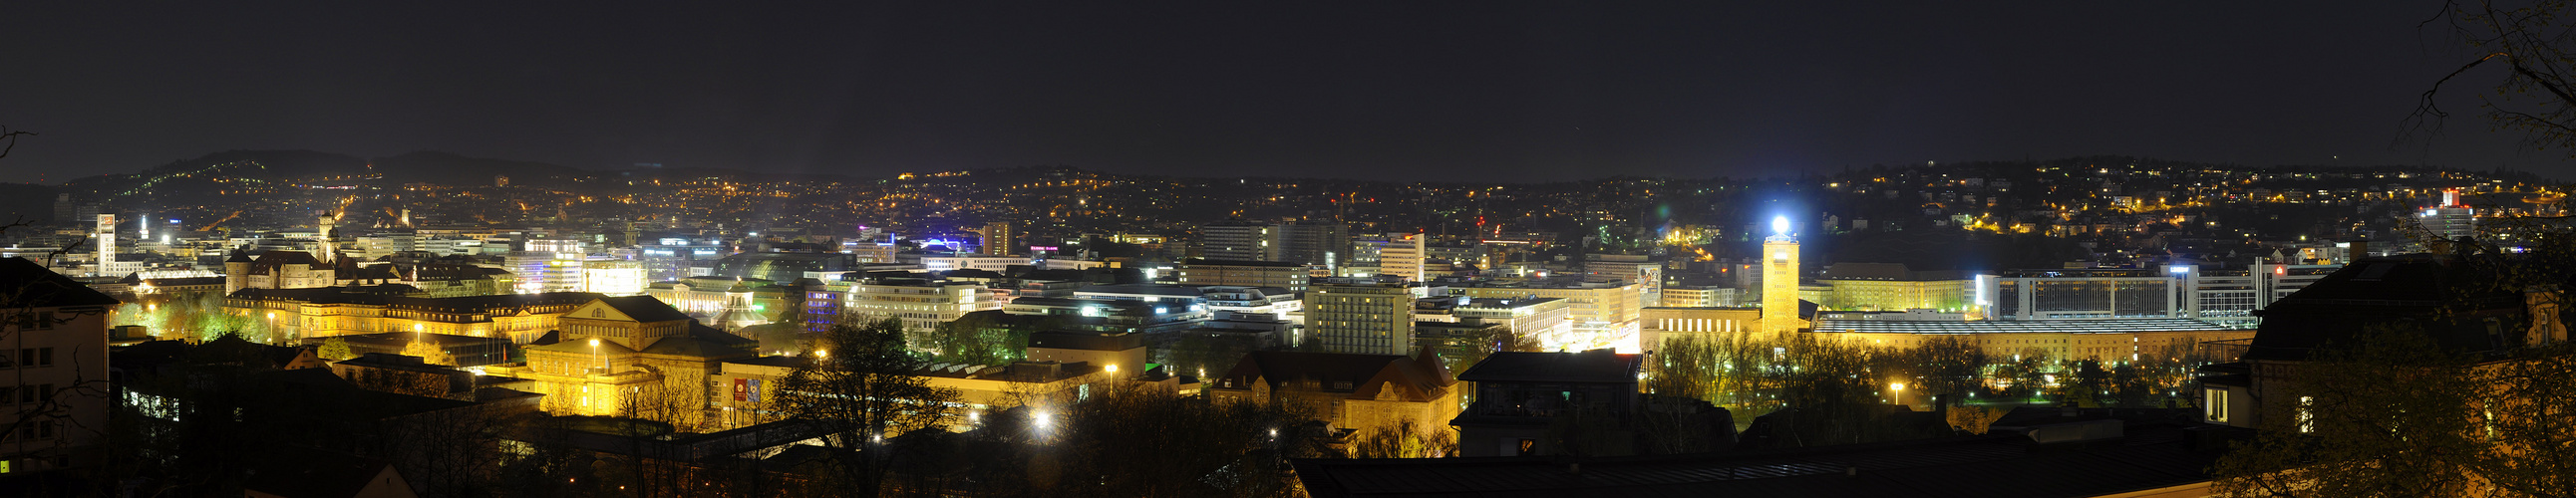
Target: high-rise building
x,y
1780,280
1630,268
1402,257
1314,242
1363,319
2451,220
999,239
1237,240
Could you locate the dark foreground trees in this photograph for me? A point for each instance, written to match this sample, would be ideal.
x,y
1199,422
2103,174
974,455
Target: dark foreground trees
x,y
860,386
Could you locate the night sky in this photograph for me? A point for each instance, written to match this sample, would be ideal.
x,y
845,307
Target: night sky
x,y
1416,91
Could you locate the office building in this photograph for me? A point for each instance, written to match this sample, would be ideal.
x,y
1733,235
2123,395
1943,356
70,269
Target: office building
x,y
2450,220
1403,257
1289,275
2226,296
1314,242
1237,240
1602,315
1893,287
1361,319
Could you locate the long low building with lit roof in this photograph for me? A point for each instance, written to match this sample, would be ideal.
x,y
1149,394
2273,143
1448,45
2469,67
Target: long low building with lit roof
x,y
2107,339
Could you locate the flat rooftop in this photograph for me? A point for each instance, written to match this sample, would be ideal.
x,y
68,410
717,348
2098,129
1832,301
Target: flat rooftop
x,y
2100,326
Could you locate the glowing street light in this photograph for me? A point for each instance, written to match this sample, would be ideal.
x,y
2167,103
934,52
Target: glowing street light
x,y
594,353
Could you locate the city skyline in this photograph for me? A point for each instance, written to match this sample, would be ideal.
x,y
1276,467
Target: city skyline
x,y
1404,93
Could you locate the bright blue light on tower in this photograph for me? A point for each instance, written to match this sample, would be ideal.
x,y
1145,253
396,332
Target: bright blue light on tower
x,y
1779,225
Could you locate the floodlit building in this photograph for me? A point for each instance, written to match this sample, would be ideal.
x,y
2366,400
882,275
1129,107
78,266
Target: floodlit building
x,y
629,356
726,303
1780,280
323,312
1602,315
1893,287
2067,340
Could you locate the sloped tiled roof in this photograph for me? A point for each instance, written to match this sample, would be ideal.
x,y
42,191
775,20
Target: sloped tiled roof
x,y
23,284
1599,365
644,308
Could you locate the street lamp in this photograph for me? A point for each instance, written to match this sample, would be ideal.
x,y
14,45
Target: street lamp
x,y
594,354
1899,387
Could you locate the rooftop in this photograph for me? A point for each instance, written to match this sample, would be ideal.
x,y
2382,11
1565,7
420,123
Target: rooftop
x,y
2104,326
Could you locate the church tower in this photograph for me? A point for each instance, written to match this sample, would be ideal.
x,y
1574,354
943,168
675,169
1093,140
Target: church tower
x,y
1780,280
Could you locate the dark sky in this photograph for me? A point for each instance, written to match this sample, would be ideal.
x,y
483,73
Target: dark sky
x,y
1369,90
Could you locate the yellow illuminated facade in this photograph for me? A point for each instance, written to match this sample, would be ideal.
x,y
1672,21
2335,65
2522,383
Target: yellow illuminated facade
x,y
630,356
1898,295
330,311
1780,280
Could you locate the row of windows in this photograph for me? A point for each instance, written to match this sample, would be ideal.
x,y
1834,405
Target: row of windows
x,y
26,394
30,357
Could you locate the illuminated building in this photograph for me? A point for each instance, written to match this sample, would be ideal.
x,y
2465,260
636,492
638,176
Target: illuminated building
x,y
321,312
972,262
1780,310
629,356
921,303
668,259
726,303
613,277
2452,219
1892,287
1289,275
1361,319
1603,315
545,271
999,239
2065,340
1701,296
1544,319
1403,257
1649,275
278,270
2229,297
